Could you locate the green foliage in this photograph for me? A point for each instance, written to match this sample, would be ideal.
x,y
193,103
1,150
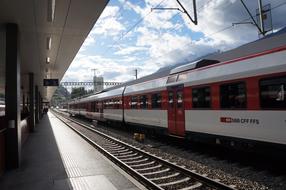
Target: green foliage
x,y
78,92
60,96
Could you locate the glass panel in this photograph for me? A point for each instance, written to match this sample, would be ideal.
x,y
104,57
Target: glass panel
x,y
179,99
171,99
156,100
201,97
233,95
134,102
272,93
143,102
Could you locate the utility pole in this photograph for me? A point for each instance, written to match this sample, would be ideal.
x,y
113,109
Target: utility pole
x,y
136,73
261,17
182,9
260,27
93,71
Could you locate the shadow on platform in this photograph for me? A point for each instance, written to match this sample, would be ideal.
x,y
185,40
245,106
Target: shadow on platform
x,y
41,166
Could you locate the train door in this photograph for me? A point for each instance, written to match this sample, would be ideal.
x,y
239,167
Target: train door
x,y
176,111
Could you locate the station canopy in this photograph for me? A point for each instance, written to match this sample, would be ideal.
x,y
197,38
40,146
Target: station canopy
x,y
50,35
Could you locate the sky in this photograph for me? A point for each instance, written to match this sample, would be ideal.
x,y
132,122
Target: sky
x,y
129,36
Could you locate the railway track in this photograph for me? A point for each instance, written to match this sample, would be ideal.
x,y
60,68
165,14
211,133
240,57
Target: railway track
x,y
152,171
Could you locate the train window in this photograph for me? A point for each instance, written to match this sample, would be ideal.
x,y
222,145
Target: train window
x,y
180,99
172,78
201,97
96,106
156,100
272,93
233,95
116,104
111,103
171,99
107,104
134,102
143,102
93,106
119,104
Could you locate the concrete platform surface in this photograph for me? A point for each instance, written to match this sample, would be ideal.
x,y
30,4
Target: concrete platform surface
x,y
55,157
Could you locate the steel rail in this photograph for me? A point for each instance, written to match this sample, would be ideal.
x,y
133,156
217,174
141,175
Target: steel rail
x,y
149,184
203,179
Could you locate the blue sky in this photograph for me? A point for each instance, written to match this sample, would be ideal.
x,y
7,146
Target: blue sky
x,y
115,47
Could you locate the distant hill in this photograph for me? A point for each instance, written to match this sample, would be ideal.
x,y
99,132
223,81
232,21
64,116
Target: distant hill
x,y
60,96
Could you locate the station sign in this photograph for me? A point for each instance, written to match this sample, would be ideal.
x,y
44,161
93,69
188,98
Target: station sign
x,y
51,82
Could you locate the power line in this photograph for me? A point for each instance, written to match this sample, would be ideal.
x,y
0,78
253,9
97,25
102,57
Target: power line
x,y
141,20
249,18
131,28
121,7
222,30
212,34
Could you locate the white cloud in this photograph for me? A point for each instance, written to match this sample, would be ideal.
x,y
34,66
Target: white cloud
x,y
129,50
111,70
160,38
109,22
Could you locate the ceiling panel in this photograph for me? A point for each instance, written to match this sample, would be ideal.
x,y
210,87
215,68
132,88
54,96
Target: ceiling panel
x,y
73,21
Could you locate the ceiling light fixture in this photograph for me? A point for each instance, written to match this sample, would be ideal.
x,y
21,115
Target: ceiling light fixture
x,y
48,60
49,43
51,10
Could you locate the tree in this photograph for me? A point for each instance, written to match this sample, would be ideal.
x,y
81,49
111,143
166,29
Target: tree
x,y
77,92
60,96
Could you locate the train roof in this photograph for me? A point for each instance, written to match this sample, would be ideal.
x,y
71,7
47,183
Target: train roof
x,y
147,86
101,95
193,65
266,43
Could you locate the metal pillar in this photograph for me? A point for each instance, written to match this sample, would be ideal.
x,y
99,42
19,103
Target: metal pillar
x,y
23,101
12,98
31,102
37,104
40,106
261,17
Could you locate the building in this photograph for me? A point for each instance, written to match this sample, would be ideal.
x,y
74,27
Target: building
x,y
98,83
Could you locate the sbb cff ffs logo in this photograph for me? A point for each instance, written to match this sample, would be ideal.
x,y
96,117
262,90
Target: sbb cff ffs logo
x,y
239,120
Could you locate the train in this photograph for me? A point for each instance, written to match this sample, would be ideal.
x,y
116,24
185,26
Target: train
x,y
235,98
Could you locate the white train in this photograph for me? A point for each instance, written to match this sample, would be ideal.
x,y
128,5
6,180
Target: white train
x,y
234,98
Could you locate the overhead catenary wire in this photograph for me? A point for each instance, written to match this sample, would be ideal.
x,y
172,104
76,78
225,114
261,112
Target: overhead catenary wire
x,y
118,13
140,21
131,28
219,31
208,36
249,18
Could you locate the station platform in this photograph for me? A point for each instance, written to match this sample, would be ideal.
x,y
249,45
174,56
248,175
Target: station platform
x,y
55,157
